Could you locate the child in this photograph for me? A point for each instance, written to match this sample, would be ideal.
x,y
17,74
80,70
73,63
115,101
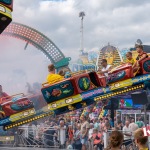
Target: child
x,y
129,58
61,73
141,56
52,76
97,139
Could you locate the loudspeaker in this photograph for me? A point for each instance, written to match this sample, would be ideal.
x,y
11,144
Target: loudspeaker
x,y
140,98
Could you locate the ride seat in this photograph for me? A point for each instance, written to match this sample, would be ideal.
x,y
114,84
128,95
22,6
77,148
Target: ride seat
x,y
145,66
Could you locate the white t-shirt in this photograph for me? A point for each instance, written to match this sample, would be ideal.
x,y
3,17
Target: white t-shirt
x,y
105,69
126,130
90,133
133,127
62,135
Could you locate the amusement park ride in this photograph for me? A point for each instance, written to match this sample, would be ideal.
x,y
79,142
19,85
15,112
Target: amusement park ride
x,y
77,91
6,8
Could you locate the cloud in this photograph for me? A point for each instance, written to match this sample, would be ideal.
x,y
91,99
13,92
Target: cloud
x,y
120,22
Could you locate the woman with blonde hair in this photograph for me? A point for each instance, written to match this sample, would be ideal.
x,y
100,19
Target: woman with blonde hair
x,y
140,139
115,141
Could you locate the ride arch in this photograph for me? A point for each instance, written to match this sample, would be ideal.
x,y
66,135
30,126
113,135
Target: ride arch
x,y
40,41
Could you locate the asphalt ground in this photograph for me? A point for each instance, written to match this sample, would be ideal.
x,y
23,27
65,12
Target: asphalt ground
x,y
27,148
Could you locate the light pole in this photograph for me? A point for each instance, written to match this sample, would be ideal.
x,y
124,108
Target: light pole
x,y
81,14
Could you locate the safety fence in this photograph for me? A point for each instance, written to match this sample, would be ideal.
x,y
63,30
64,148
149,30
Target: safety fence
x,y
42,137
49,137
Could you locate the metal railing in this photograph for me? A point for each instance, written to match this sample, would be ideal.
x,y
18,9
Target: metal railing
x,y
33,136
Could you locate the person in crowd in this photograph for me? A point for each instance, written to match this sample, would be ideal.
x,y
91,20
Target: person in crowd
x,y
90,135
140,123
52,76
84,131
127,134
77,142
105,67
115,141
70,132
62,134
133,126
140,139
119,125
101,124
96,123
49,134
129,58
96,136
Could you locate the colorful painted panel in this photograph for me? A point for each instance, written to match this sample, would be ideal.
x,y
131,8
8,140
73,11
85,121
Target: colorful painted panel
x,y
146,66
116,76
22,115
84,83
58,91
16,105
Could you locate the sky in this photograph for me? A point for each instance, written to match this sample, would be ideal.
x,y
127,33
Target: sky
x,y
119,22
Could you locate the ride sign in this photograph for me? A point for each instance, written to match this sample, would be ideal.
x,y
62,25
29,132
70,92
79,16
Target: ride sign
x,y
146,131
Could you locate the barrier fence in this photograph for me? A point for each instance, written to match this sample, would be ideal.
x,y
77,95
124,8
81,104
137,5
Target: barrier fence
x,y
46,137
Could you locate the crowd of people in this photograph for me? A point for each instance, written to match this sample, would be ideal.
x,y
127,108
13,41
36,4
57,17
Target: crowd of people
x,y
85,133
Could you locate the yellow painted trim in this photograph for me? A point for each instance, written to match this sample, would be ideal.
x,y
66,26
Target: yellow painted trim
x,y
62,103
6,138
121,84
21,115
5,11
